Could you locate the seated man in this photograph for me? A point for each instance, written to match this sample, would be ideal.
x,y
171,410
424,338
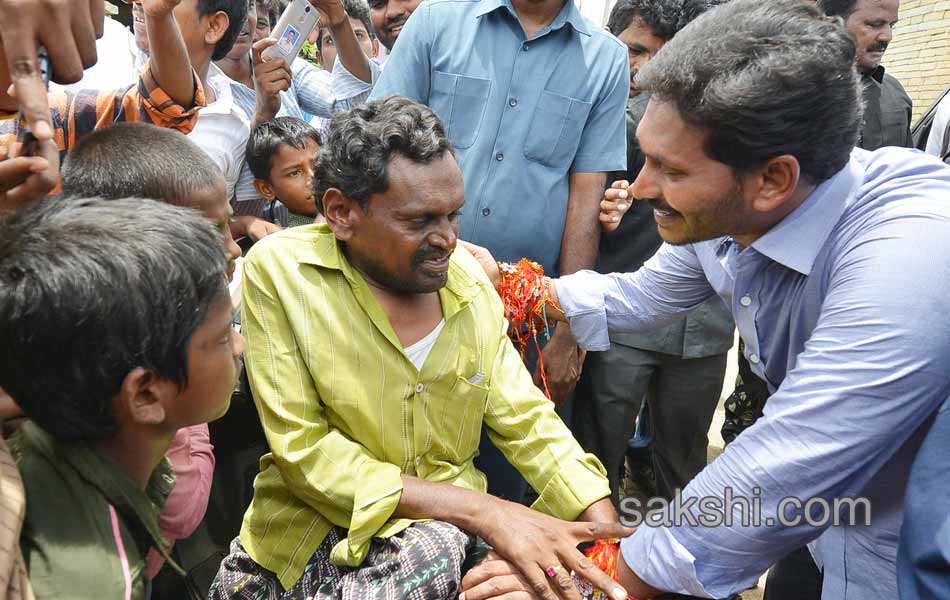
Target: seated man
x,y
376,354
280,155
115,333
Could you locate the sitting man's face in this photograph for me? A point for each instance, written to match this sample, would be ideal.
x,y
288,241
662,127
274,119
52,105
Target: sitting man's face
x,y
403,240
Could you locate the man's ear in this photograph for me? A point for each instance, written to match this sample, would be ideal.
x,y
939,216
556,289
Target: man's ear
x,y
142,398
341,212
264,189
217,26
775,182
375,48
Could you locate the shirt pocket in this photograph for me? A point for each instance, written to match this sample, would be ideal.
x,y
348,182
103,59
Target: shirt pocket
x,y
556,128
462,418
460,101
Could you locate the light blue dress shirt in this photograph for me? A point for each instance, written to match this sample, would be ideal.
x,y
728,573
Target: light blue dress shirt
x,y
522,113
311,89
843,308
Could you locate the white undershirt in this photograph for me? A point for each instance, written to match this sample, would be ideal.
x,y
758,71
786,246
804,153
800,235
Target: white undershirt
x,y
418,352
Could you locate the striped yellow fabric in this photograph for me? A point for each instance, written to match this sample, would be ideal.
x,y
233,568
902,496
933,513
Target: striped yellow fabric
x,y
346,413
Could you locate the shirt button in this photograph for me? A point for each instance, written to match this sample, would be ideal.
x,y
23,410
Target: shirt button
x,y
486,211
513,102
745,301
419,388
499,157
418,460
524,47
754,359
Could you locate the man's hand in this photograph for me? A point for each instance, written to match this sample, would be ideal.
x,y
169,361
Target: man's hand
x,y
485,260
271,77
67,29
614,206
27,178
495,578
159,8
563,362
331,11
252,227
534,542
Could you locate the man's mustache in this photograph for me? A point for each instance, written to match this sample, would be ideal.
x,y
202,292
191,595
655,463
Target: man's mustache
x,y
661,205
429,252
395,22
877,47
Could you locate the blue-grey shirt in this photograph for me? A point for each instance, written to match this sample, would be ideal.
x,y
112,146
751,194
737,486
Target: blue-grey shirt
x,y
522,113
843,308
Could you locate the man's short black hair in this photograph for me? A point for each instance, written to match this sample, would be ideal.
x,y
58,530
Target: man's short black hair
x,y
694,8
661,16
138,160
363,140
270,7
237,17
91,289
355,9
764,79
268,136
838,8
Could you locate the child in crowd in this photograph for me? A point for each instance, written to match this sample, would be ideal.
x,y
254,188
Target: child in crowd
x,y
280,155
144,161
115,333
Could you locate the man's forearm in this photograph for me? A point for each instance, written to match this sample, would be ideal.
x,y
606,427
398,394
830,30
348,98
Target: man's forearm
x,y
581,237
170,65
466,509
349,51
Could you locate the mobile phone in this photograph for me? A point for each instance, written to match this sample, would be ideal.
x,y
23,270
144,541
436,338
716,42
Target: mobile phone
x,y
292,30
24,134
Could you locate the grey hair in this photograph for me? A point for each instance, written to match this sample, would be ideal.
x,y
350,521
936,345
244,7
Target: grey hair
x,y
764,79
363,140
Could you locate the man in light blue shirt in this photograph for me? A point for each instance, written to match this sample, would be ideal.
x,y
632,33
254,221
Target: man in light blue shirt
x,y
836,264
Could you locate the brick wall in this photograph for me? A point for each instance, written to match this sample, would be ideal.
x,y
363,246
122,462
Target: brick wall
x,y
919,55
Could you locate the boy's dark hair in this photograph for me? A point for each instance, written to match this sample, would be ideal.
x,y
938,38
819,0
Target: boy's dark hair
x,y
661,16
237,17
764,79
138,160
363,140
91,289
838,8
268,136
355,9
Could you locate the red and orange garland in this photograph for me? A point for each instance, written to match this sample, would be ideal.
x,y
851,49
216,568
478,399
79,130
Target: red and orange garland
x,y
604,555
525,298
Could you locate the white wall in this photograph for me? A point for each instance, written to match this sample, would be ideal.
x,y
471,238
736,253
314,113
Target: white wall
x,y
595,10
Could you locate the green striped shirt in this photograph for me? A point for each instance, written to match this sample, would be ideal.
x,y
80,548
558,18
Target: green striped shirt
x,y
346,413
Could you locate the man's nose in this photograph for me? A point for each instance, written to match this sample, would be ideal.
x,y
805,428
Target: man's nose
x,y
644,186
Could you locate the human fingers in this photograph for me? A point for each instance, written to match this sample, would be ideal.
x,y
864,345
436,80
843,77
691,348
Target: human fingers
x,y
590,531
257,51
14,171
84,33
43,176
504,586
574,560
97,13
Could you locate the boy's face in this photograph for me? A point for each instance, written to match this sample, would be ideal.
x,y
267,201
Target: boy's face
x,y
213,202
369,44
290,175
213,353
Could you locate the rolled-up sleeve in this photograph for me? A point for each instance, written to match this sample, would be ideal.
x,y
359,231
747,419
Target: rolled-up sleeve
x,y
408,69
669,284
323,94
603,144
338,477
522,423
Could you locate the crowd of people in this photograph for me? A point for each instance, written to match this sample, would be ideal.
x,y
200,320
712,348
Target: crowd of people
x,y
443,307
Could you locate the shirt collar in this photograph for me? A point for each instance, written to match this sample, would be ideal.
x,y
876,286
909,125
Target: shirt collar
x,y
798,238
876,74
325,251
569,15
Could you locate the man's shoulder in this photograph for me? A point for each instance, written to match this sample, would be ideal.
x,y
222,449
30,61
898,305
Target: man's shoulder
x,y
291,245
891,85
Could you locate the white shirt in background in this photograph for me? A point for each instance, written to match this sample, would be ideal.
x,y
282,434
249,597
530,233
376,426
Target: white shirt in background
x,y
118,65
939,127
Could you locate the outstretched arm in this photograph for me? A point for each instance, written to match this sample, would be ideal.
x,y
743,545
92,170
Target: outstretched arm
x,y
170,64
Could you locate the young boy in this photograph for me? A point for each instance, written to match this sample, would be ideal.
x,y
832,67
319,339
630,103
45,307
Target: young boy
x,y
280,155
115,332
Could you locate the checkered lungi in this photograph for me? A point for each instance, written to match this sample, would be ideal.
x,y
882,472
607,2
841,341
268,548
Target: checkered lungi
x,y
421,563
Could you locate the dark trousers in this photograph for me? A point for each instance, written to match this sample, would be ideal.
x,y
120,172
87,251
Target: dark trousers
x,y
682,393
795,577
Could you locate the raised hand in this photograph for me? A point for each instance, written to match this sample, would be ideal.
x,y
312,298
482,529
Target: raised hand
x,y
271,77
615,205
67,29
159,8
